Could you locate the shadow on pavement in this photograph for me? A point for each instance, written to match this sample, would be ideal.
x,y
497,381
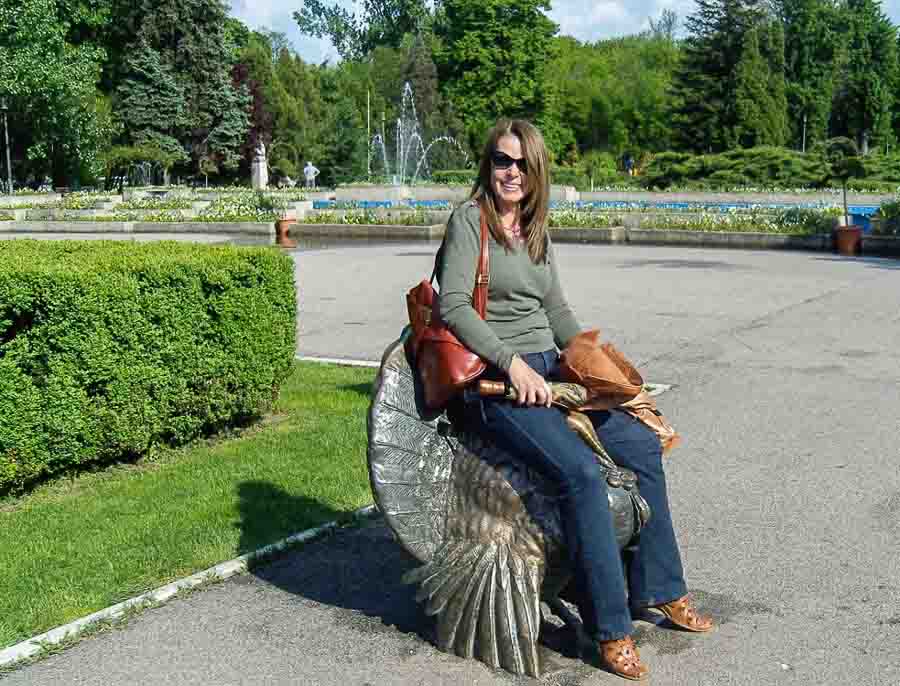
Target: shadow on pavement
x,y
357,569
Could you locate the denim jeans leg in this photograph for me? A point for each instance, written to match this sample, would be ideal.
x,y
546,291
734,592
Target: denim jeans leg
x,y
541,438
655,573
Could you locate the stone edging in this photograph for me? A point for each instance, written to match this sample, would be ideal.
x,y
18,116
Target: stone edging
x,y
217,228
871,245
220,572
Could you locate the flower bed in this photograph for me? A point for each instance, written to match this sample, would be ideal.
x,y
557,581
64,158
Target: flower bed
x,y
733,223
416,217
176,202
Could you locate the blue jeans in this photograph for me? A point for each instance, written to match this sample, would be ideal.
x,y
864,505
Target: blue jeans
x,y
541,437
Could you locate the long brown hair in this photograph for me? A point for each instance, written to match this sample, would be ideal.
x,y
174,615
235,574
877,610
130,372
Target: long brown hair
x,y
535,205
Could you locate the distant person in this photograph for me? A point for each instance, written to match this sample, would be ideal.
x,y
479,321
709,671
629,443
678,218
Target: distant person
x,y
628,163
310,172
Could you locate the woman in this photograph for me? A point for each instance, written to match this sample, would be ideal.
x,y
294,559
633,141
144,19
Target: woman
x,y
527,319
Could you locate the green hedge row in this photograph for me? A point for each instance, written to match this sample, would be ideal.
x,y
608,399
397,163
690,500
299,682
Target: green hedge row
x,y
763,167
108,349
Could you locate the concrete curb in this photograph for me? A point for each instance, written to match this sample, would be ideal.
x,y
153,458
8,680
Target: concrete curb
x,y
347,362
139,227
220,572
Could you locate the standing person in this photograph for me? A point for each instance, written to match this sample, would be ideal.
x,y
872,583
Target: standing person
x,y
310,173
527,319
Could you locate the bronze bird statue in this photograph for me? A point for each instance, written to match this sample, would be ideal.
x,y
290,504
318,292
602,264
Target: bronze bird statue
x,y
485,527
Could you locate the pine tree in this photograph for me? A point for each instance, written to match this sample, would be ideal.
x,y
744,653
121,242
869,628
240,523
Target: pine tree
x,y
751,95
730,87
773,49
188,39
811,64
866,95
151,101
704,106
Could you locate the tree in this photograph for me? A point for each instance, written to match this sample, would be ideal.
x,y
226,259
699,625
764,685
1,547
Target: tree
x,y
57,114
751,94
811,62
866,94
494,60
760,103
152,102
185,44
665,26
704,106
381,23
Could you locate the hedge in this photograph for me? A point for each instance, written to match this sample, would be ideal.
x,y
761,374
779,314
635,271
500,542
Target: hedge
x,y
109,349
762,166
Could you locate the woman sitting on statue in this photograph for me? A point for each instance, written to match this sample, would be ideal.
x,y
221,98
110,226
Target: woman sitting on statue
x,y
527,320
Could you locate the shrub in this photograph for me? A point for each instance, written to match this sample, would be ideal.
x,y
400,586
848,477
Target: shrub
x,y
110,349
889,214
762,166
455,177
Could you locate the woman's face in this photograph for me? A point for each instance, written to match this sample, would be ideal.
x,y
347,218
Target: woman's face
x,y
509,178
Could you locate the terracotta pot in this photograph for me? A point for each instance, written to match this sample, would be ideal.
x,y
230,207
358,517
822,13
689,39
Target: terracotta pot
x,y
849,240
282,227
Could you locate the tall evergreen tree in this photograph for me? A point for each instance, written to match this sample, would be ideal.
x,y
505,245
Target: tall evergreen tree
x,y
866,95
151,101
751,95
189,37
812,50
773,49
704,106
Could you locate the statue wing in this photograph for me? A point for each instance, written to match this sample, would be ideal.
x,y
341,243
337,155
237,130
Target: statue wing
x,y
483,527
484,582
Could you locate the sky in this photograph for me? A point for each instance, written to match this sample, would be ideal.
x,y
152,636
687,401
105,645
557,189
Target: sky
x,y
587,20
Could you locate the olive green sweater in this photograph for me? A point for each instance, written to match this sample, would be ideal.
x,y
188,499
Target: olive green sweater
x,y
526,310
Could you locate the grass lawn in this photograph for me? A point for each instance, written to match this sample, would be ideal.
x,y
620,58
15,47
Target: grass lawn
x,y
79,544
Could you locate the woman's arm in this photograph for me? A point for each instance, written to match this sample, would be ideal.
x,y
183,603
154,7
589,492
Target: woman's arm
x,y
456,275
562,320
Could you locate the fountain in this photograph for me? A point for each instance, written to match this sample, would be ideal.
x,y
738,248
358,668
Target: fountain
x,y
410,162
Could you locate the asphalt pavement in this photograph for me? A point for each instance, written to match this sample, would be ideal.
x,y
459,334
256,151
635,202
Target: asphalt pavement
x,y
785,493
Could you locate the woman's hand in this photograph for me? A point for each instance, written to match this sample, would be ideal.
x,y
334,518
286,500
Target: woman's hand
x,y
530,386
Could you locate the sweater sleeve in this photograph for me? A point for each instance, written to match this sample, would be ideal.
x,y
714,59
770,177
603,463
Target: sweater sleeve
x,y
562,320
456,275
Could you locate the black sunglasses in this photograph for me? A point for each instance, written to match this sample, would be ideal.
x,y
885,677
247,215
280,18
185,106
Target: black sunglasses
x,y
503,161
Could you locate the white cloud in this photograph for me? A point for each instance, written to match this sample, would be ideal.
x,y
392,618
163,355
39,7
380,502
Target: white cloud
x,y
586,20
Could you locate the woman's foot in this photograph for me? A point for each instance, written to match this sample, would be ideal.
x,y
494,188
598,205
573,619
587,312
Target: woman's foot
x,y
622,659
684,615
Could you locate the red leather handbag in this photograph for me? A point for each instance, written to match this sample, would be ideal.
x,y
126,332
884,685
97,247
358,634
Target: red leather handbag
x,y
445,365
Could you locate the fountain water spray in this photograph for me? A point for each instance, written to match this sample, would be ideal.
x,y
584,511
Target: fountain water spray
x,y
411,153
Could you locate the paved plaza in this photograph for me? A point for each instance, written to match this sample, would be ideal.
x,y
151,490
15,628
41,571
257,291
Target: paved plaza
x,y
785,369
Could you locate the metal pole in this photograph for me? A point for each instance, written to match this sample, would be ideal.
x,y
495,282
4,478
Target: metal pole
x,y
804,132
368,137
8,162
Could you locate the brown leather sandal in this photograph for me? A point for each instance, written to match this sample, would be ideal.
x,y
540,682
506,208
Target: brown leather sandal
x,y
622,659
684,615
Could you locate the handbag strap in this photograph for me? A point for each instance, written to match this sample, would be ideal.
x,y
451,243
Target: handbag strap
x,y
483,272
